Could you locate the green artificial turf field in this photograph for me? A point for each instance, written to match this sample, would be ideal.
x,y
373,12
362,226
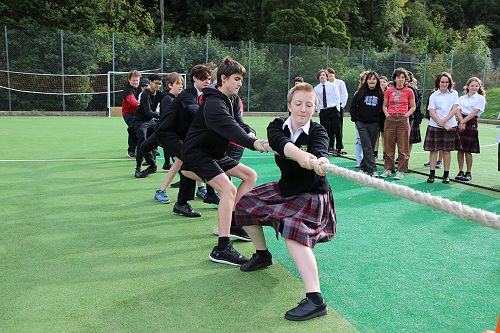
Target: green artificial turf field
x,y
84,247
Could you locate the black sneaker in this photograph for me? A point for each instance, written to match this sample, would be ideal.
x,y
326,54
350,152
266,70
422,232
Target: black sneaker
x,y
185,210
228,256
138,173
430,180
257,261
211,199
149,170
176,185
446,180
460,176
306,310
166,166
240,234
131,154
467,177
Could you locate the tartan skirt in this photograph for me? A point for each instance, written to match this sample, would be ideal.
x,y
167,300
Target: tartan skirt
x,y
469,138
307,218
441,139
415,134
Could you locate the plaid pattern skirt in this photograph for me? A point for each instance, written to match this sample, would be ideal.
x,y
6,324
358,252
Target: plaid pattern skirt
x,y
307,218
415,134
469,138
441,139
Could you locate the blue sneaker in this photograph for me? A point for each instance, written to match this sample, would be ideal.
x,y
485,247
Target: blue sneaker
x,y
162,196
201,193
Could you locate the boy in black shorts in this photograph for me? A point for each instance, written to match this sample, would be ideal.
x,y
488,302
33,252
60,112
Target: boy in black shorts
x,y
204,152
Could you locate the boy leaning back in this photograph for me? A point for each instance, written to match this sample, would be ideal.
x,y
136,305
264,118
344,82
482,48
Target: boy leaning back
x,y
204,153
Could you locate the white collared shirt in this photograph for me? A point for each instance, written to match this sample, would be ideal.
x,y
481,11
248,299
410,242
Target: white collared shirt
x,y
470,103
344,95
332,96
300,130
443,103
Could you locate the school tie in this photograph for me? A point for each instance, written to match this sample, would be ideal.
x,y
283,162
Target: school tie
x,y
324,97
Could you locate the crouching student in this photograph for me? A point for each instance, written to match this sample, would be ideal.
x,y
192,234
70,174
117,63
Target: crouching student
x,y
300,205
204,153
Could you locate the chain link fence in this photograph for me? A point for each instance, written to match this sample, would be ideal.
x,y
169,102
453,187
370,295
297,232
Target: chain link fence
x,y
78,65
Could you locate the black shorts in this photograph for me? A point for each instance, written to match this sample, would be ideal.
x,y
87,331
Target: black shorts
x,y
172,143
206,167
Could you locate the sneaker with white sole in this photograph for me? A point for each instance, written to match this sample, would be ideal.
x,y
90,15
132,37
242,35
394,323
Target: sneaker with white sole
x,y
161,196
228,256
375,174
439,165
386,173
399,175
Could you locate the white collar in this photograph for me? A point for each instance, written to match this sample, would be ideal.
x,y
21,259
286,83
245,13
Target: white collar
x,y
305,128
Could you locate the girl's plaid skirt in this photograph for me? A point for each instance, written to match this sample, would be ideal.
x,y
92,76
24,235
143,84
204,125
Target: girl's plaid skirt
x,y
469,138
415,134
307,218
438,138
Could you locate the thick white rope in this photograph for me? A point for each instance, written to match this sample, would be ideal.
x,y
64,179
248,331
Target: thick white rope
x,y
477,215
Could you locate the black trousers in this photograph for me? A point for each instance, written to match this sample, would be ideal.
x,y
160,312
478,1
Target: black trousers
x,y
143,129
331,120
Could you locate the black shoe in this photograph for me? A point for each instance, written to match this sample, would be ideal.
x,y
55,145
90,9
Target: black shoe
x,y
396,161
211,199
138,173
149,170
339,152
145,163
446,180
257,261
176,185
166,166
131,154
467,177
306,310
240,234
227,256
460,176
430,180
185,210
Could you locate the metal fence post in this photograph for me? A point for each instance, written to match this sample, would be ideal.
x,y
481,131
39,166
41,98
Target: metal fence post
x,y
327,55
113,64
62,71
249,73
394,64
424,76
485,64
289,63
162,12
206,49
451,62
7,65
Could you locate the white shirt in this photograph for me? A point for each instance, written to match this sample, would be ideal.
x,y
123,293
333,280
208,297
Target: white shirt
x,y
443,103
468,104
342,91
332,96
300,130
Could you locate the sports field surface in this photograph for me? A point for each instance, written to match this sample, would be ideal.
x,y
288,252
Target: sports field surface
x,y
84,247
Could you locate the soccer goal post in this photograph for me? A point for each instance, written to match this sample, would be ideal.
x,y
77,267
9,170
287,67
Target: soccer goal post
x,y
116,81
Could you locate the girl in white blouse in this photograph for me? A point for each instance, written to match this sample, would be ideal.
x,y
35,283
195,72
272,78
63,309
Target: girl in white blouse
x,y
471,105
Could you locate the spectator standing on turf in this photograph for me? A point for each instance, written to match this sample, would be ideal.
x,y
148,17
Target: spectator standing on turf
x,y
300,205
380,136
329,110
130,104
399,104
442,131
344,95
472,105
366,109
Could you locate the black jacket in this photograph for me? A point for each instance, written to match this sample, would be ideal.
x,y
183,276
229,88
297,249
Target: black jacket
x,y
147,106
179,115
214,125
366,106
295,179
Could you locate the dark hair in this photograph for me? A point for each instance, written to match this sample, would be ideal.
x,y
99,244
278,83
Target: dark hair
x,y
330,70
154,77
451,84
397,72
364,87
172,78
228,67
321,71
298,79
201,72
362,78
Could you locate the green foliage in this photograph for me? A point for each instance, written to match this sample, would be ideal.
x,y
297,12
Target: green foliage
x,y
492,110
